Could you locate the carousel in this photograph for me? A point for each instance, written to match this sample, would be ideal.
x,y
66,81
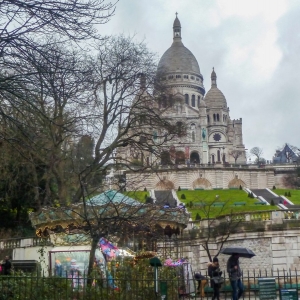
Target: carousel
x,y
131,226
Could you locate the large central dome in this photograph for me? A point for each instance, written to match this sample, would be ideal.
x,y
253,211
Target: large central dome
x,y
179,66
178,58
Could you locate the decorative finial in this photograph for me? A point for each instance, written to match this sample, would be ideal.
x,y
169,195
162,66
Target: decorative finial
x,y
213,77
176,14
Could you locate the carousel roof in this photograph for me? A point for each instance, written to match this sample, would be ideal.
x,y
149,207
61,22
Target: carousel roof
x,y
112,196
102,209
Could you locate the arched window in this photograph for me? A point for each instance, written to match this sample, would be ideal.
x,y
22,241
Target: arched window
x,y
219,155
193,136
199,101
193,101
179,128
214,117
187,100
207,118
213,158
218,119
154,135
148,161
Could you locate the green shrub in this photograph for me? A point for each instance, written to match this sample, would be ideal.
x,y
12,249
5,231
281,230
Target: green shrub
x,y
198,217
149,200
191,204
289,194
272,202
241,187
183,196
145,189
274,187
179,189
285,194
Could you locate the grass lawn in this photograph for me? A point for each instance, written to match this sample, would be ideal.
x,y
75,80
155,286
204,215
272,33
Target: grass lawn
x,y
228,197
295,194
138,195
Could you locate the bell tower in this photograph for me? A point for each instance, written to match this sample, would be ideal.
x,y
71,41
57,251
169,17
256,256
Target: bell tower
x,y
176,29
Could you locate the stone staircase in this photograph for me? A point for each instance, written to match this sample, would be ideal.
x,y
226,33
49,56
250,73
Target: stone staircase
x,y
163,197
268,196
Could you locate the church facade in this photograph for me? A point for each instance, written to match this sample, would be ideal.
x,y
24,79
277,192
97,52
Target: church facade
x,y
212,137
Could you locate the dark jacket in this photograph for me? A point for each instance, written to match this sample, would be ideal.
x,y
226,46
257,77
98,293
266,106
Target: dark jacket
x,y
213,271
234,274
6,267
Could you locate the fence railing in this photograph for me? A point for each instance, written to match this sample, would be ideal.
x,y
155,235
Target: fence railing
x,y
24,242
32,286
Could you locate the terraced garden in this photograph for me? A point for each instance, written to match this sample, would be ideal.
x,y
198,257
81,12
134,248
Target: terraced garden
x,y
212,203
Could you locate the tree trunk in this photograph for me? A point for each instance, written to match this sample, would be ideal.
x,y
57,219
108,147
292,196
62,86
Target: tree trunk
x,y
92,260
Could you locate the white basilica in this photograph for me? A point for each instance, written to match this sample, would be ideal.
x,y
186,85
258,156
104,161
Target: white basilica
x,y
213,137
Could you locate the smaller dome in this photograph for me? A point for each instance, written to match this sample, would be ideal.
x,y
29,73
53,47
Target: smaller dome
x,y
214,97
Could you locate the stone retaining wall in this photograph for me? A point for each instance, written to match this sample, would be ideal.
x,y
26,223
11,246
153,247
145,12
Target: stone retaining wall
x,y
274,250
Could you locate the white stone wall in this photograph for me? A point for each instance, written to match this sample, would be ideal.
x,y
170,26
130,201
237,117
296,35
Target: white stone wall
x,y
275,250
218,177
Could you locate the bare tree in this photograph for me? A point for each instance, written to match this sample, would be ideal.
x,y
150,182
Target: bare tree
x,y
26,26
235,154
43,115
257,152
123,112
76,20
113,98
215,225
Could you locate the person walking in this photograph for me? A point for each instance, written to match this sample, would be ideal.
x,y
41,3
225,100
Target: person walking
x,y
6,266
214,271
202,282
235,273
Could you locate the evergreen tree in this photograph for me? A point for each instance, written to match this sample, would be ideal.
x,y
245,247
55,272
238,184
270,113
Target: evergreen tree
x,y
198,217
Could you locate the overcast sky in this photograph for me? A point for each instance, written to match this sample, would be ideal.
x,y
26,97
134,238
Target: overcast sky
x,y
254,47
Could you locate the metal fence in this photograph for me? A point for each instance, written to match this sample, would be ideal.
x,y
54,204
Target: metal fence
x,y
31,286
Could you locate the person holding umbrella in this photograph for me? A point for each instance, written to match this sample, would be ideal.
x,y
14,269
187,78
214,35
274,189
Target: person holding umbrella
x,y
235,273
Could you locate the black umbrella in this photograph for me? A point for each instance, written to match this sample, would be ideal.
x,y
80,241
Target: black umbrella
x,y
242,252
